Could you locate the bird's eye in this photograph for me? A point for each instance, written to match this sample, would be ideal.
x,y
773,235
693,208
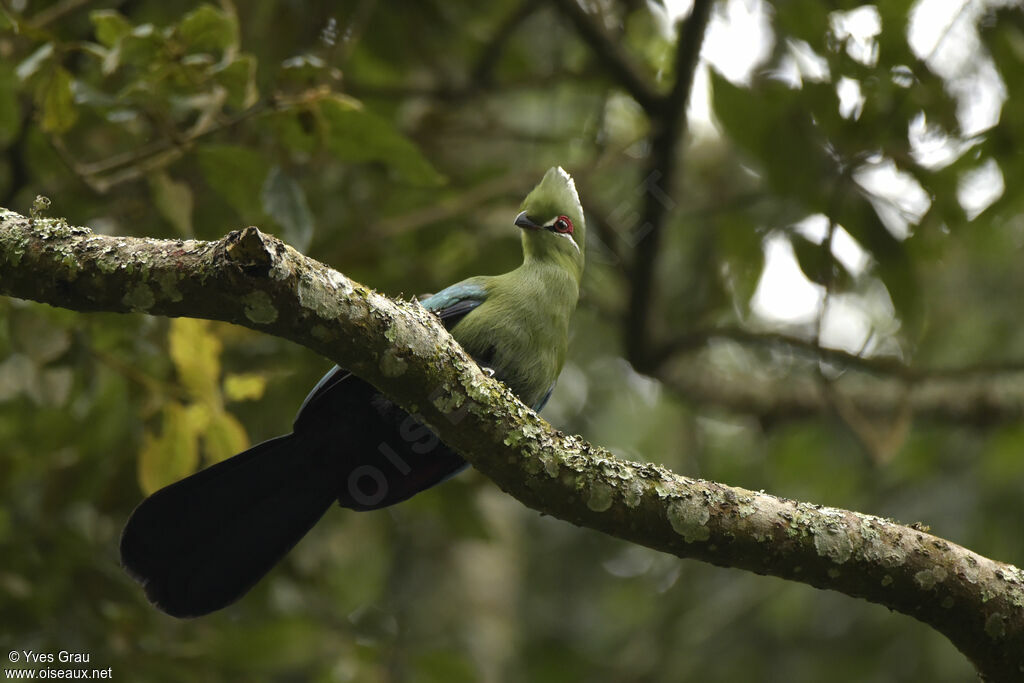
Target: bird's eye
x,y
563,224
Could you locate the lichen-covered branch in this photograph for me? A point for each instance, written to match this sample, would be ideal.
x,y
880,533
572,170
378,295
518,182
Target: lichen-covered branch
x,y
255,280
972,399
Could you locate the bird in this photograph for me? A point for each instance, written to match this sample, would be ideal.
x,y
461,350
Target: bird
x,y
200,544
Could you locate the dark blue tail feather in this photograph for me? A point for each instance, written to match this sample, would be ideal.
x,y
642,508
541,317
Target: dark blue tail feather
x,y
200,544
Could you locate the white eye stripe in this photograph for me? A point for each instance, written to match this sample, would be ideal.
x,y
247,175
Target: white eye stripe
x,y
568,237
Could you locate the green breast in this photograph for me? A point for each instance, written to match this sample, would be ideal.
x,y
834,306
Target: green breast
x,y
521,330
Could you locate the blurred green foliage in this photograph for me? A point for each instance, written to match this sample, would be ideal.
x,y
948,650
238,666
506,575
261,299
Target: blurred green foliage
x,y
394,141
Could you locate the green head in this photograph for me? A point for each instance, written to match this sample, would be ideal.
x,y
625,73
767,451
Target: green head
x,y
552,222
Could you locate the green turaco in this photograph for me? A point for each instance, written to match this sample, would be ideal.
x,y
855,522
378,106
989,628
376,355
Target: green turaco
x,y
203,542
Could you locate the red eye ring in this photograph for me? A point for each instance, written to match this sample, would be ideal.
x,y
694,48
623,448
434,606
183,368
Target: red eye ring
x,y
563,225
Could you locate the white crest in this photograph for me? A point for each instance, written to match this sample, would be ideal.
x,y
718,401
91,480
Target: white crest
x,y
572,186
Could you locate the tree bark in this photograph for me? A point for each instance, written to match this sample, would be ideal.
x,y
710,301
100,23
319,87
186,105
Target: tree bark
x,y
255,280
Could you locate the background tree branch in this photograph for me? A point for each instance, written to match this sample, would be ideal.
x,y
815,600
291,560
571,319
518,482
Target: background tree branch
x,y
255,280
669,122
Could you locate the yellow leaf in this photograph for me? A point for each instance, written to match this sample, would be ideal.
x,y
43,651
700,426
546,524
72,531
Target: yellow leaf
x,y
198,415
56,99
224,436
244,386
173,454
196,355
173,200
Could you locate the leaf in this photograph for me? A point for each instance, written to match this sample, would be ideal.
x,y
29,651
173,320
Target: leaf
x,y
239,79
894,265
56,101
173,199
460,511
1002,463
110,26
18,374
31,64
771,123
195,352
444,666
285,202
40,340
172,455
207,28
742,249
198,416
55,385
804,19
7,21
237,174
815,260
354,134
141,46
304,71
244,386
10,120
224,436
294,128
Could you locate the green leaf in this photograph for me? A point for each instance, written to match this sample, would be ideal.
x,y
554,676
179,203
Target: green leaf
x,y
742,250
56,101
285,202
814,259
172,455
1002,463
237,174
140,47
445,666
354,134
195,352
173,200
223,437
110,26
10,118
8,22
804,19
771,123
239,79
244,386
458,509
294,128
207,28
894,265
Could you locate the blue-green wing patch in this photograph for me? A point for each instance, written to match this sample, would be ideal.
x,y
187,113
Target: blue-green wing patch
x,y
450,305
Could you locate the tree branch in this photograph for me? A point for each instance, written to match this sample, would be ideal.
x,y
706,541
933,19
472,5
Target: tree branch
x,y
877,387
612,55
255,280
979,400
883,366
669,127
482,73
103,175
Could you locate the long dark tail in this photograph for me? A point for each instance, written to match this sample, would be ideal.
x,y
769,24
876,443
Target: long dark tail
x,y
200,544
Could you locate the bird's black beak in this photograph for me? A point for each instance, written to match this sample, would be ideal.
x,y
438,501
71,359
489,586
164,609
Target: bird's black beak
x,y
526,223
